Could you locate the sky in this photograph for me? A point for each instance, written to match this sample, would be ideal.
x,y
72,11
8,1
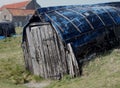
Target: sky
x,y
46,3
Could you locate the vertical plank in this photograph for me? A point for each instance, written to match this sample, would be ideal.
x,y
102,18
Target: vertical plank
x,y
34,40
61,54
48,47
25,54
42,53
53,52
61,50
59,59
32,52
37,51
70,64
46,53
29,58
73,60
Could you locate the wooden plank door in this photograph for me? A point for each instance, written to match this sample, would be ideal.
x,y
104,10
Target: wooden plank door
x,y
46,51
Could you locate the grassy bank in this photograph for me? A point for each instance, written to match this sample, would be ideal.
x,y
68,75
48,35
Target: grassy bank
x,y
12,69
103,72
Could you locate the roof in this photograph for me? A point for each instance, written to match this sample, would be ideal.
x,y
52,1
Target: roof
x,y
75,23
16,5
71,21
21,12
115,4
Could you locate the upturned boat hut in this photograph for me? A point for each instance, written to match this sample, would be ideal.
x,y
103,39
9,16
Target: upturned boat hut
x,y
56,39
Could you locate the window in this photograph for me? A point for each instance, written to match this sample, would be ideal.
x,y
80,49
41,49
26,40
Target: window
x,y
5,17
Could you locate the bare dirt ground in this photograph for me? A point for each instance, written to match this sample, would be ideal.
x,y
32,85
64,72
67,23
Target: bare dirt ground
x,y
37,85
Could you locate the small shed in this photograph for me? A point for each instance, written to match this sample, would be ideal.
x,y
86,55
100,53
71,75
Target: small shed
x,y
57,39
7,29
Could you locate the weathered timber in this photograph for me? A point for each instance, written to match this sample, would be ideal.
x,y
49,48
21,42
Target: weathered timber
x,y
47,53
32,52
51,48
74,63
42,53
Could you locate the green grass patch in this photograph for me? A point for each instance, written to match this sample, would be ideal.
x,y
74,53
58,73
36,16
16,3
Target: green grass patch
x,y
102,72
19,30
12,69
8,84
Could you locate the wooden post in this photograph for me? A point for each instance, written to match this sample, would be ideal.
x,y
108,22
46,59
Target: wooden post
x,y
73,64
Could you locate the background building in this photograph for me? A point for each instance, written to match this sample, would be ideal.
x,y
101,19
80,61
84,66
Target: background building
x,y
18,13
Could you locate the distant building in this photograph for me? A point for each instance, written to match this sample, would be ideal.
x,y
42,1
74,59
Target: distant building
x,y
18,12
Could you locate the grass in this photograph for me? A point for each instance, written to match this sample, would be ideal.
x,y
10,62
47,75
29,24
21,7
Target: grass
x,y
19,30
11,62
12,69
8,84
103,72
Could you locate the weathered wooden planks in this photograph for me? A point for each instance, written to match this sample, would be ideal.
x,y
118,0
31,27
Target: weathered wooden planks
x,y
46,53
32,52
74,69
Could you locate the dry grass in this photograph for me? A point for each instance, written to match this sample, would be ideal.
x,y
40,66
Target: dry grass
x,y
103,72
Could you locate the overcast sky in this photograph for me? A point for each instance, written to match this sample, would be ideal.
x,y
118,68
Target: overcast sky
x,y
45,3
